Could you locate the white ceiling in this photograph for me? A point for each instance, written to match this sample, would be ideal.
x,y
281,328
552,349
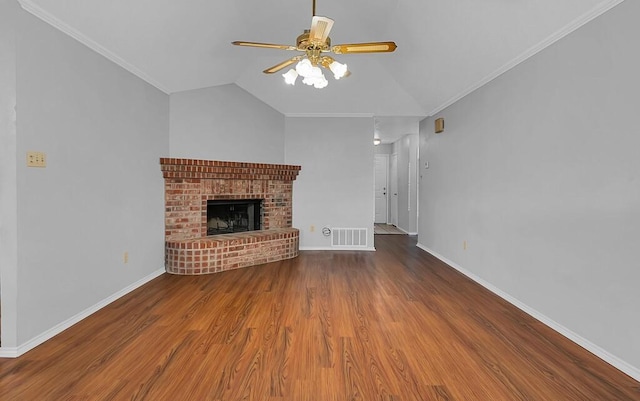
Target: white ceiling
x,y
446,48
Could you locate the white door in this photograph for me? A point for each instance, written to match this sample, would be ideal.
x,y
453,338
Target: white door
x,y
381,182
393,190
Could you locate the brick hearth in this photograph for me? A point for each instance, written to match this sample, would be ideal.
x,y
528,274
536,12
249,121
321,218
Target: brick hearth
x,y
189,184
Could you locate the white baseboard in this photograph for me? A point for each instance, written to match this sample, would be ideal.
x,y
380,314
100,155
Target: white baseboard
x,y
342,248
406,232
581,341
14,352
8,352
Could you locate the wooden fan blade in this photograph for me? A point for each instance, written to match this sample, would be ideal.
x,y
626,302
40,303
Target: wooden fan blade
x,y
372,47
282,65
264,45
320,28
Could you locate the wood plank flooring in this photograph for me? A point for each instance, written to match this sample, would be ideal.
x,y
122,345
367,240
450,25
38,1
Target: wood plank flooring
x,y
396,324
382,229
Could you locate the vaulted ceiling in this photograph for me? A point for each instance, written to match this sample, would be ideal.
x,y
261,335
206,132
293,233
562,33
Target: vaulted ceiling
x,y
446,48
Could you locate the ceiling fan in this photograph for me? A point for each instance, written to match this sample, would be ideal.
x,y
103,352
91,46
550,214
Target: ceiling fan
x,y
315,43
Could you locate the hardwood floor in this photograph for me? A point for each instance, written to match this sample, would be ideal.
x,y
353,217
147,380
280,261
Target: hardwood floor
x,y
387,229
396,324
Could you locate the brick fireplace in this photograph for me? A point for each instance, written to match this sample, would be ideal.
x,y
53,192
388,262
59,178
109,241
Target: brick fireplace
x,y
190,184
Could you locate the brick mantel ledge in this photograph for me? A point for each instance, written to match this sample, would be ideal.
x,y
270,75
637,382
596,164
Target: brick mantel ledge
x,y
213,169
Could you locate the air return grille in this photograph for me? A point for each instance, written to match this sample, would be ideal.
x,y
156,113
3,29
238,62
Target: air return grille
x,y
349,237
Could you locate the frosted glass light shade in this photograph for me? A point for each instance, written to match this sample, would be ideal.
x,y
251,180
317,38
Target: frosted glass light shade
x,y
320,82
311,74
338,69
304,67
290,77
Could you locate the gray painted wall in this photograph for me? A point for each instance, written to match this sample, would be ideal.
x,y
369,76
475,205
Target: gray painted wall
x,y
383,149
8,181
101,193
335,185
539,172
225,123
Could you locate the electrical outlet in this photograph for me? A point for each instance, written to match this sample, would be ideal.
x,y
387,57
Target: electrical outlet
x,y
125,257
36,159
464,245
312,228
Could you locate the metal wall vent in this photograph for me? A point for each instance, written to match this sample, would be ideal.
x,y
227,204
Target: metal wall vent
x,y
349,237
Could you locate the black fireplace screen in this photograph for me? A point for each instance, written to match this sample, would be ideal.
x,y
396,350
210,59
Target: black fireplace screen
x,y
232,216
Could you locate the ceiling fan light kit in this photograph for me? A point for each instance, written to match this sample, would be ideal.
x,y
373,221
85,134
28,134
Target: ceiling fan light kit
x,y
314,42
312,75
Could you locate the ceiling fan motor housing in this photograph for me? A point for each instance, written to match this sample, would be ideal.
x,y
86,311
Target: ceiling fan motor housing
x,y
303,43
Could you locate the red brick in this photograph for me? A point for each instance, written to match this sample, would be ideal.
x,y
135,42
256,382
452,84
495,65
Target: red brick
x,y
190,183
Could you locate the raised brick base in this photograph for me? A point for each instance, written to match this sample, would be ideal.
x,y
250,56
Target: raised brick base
x,y
230,251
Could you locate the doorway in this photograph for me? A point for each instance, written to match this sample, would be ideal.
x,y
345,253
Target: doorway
x,y
381,173
393,190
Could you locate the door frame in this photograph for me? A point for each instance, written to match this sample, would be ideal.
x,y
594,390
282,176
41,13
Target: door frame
x,y
386,164
393,184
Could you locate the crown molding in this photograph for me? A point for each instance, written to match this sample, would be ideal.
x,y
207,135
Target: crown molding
x,y
37,11
567,29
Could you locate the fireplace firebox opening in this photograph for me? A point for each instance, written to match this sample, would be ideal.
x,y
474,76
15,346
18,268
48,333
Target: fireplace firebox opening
x,y
233,216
